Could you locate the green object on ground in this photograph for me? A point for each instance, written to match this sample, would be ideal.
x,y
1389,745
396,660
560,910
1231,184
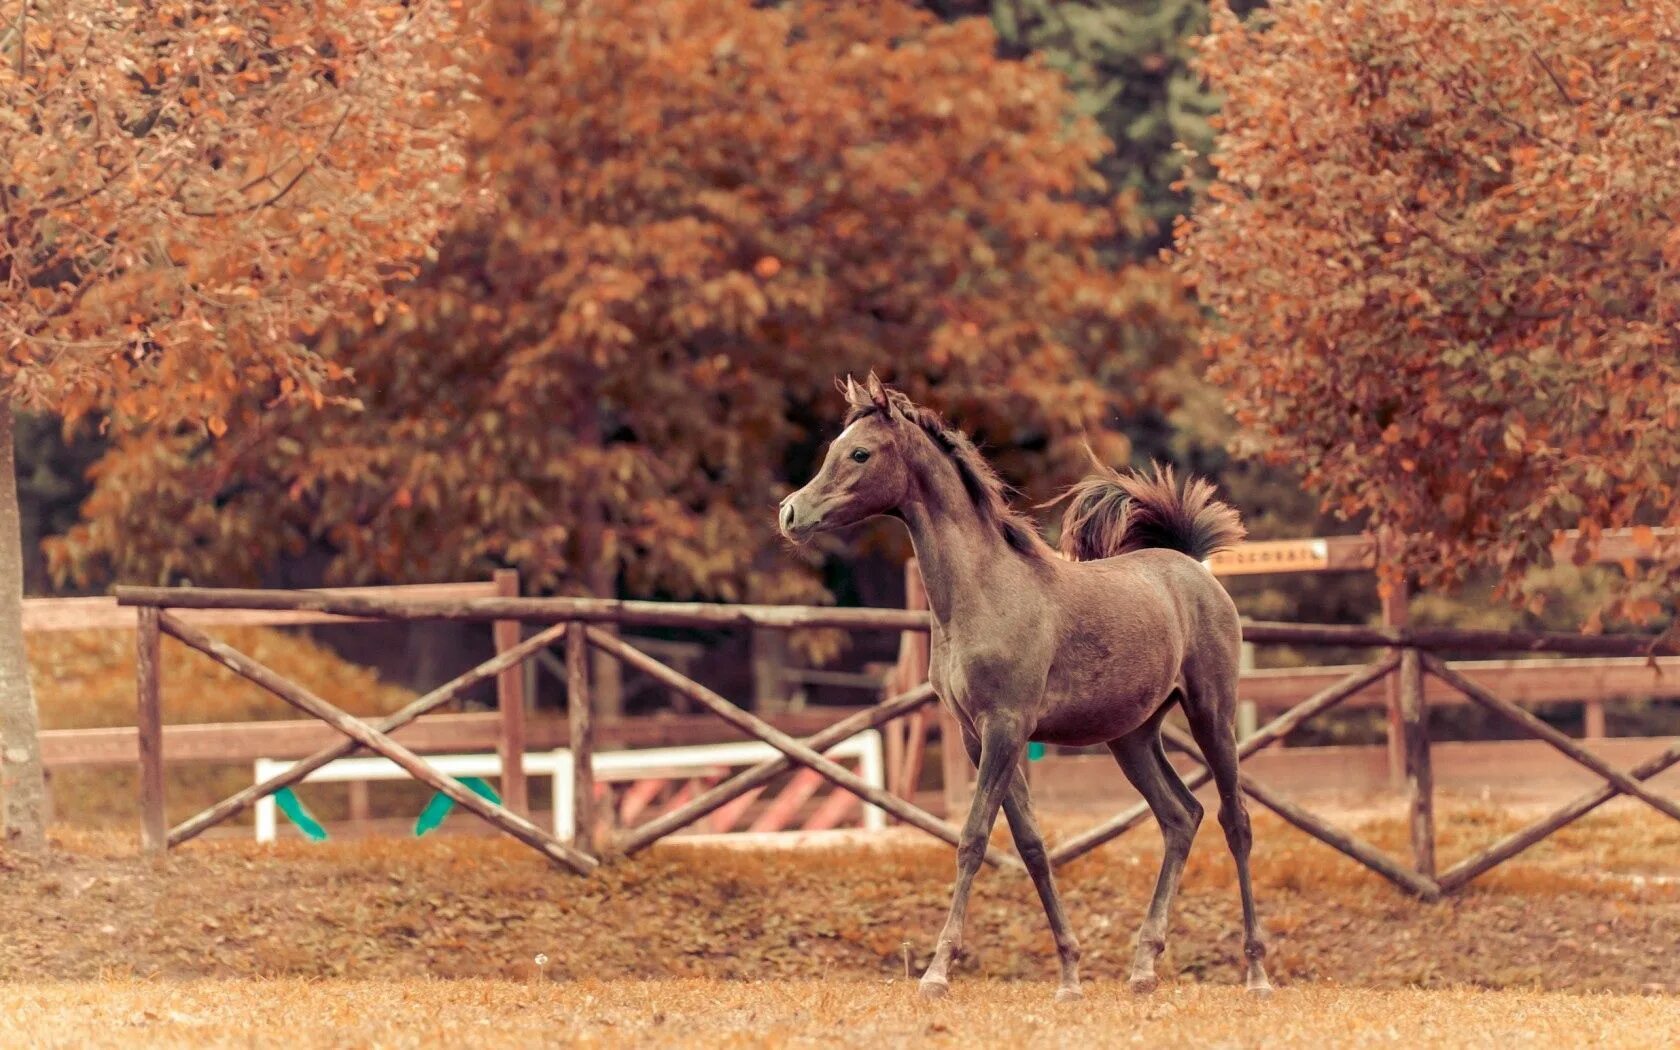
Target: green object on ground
x,y
1035,751
438,808
292,806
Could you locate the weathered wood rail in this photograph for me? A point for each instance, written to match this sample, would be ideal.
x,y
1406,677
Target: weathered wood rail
x,y
1410,662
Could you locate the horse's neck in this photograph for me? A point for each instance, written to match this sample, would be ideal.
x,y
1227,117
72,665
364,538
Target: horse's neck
x,y
956,549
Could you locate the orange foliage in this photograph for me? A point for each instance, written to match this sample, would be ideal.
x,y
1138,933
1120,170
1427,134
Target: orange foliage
x,y
1441,249
695,214
187,191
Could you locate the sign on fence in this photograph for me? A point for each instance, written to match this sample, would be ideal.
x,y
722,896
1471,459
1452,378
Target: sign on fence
x,y
1271,556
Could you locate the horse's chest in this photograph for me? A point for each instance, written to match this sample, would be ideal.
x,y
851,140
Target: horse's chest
x,y
970,678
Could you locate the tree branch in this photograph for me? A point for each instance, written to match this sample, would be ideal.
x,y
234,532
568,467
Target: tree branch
x,y
290,183
22,30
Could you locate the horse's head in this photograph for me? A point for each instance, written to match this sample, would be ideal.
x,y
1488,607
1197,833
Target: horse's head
x,y
865,472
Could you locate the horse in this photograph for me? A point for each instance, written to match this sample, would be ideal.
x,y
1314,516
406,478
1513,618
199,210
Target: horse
x,y
1094,647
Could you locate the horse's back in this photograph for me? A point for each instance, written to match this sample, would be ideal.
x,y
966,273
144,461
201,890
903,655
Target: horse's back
x,y
1156,574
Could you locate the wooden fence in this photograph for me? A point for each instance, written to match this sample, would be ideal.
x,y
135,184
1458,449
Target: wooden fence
x,y
1410,660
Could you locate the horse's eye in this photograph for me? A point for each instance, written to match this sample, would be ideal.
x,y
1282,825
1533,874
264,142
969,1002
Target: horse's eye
x,y
860,455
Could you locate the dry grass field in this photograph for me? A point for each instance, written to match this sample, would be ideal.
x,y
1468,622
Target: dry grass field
x,y
462,1015
394,942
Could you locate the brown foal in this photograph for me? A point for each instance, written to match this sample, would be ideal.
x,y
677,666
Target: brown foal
x,y
1093,648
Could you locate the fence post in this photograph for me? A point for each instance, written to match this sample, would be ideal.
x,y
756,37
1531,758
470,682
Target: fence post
x,y
154,829
769,663
912,669
1395,608
510,702
1592,717
953,753
1420,778
580,723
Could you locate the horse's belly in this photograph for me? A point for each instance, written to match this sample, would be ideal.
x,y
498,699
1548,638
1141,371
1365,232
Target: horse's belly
x,y
1079,721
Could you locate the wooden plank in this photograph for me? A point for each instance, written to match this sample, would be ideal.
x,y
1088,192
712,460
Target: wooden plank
x,y
1613,545
1527,769
531,610
1524,682
711,614
103,612
1272,556
729,815
1468,640
510,702
339,748
788,802
1352,553
148,662
512,823
581,726
1565,746
637,798
833,809
245,742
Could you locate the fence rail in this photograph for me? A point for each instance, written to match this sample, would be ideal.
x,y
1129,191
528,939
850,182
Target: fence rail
x,y
1410,662
795,617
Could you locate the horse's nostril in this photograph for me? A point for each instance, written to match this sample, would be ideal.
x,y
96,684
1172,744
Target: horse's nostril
x,y
787,515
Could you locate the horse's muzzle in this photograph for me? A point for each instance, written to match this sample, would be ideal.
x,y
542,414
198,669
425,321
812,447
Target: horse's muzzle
x,y
794,525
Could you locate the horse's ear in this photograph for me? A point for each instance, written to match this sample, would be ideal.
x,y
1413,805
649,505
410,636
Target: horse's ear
x,y
852,392
877,392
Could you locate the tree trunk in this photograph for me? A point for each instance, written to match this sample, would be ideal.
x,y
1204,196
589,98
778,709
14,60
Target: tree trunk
x,y
598,574
606,676
23,788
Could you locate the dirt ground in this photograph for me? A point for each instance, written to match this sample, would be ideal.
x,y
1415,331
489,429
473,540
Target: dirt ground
x,y
1595,910
810,1013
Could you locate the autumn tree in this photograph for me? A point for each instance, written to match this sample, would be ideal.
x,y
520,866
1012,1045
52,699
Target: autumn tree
x,y
187,193
1441,251
698,214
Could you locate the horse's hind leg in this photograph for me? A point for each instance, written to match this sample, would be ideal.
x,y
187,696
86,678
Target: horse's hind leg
x,y
1179,815
1212,715
1017,806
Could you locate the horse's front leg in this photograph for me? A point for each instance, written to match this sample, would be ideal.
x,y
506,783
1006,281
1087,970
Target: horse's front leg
x,y
1001,744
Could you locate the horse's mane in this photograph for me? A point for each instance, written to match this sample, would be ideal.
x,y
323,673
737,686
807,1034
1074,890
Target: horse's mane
x,y
988,491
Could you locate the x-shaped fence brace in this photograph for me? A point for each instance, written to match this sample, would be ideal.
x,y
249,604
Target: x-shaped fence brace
x,y
1422,883
1616,782
808,752
1269,734
375,738
804,752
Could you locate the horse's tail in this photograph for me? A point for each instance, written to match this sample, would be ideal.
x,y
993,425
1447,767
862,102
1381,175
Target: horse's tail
x,y
1113,512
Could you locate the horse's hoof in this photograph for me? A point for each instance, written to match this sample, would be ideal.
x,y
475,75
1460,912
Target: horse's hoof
x,y
1143,984
1261,990
935,989
1069,993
